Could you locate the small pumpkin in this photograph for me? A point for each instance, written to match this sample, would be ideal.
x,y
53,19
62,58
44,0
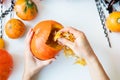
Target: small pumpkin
x,y
14,28
113,21
2,43
6,64
26,9
43,45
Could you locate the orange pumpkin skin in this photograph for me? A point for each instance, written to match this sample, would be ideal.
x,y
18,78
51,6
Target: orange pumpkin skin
x,y
39,47
26,9
113,21
6,64
14,28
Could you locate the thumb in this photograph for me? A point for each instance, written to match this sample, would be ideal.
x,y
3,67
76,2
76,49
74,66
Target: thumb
x,y
65,42
46,62
41,64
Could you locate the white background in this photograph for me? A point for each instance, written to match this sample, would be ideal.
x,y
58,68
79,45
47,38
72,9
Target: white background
x,y
81,14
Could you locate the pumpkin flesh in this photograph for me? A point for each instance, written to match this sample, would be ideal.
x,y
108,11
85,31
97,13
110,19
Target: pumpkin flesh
x,y
68,51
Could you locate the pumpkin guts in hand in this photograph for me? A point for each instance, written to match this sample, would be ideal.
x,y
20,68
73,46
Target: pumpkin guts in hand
x,y
82,48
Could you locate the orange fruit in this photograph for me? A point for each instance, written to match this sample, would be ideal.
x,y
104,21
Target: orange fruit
x,y
2,44
42,44
113,22
26,9
14,28
6,64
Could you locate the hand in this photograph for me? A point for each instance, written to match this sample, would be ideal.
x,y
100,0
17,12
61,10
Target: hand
x,y
32,64
80,46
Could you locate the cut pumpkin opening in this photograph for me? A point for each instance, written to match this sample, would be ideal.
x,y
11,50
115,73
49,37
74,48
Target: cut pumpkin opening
x,y
50,41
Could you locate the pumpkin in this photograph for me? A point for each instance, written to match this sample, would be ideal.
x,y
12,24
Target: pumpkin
x,y
68,51
2,43
43,45
113,21
26,9
6,64
14,28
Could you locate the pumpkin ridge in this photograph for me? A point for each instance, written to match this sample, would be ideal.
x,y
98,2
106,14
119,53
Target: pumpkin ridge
x,y
44,30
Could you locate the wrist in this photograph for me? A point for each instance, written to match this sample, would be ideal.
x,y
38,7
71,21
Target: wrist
x,y
89,55
26,76
91,59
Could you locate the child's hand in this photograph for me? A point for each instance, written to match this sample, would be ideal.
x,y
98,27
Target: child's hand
x,y
32,64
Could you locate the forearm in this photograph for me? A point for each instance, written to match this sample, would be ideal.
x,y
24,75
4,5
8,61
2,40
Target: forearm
x,y
26,76
95,68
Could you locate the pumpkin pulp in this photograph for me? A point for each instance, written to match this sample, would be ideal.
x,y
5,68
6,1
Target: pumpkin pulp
x,y
51,41
68,51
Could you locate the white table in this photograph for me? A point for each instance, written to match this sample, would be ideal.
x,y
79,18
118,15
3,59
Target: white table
x,y
81,14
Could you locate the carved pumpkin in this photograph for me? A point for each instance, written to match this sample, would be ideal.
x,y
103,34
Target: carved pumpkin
x,y
26,9
6,64
43,45
14,28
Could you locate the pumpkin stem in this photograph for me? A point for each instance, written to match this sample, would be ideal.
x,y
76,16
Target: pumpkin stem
x,y
29,3
118,20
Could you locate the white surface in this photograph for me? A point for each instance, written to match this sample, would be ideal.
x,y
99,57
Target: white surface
x,y
83,15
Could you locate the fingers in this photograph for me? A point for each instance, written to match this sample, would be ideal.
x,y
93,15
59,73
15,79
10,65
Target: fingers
x,y
48,61
66,42
72,30
29,36
28,53
41,64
